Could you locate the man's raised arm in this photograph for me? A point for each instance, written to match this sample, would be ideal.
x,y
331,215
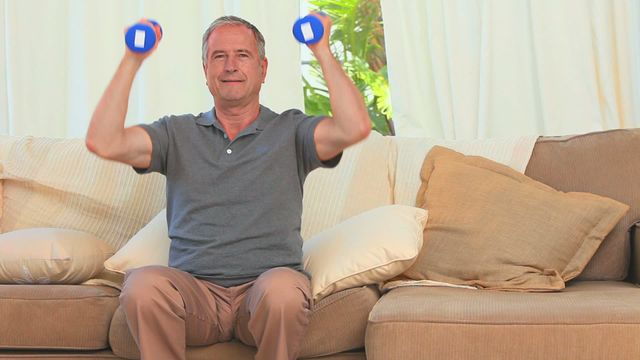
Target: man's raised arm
x,y
350,122
107,137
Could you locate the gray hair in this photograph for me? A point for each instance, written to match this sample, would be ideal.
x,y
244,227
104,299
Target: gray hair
x,y
231,20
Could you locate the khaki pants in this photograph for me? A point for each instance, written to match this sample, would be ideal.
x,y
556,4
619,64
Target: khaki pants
x,y
168,309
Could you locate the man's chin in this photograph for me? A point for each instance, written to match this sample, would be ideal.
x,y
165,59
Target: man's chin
x,y
231,101
231,96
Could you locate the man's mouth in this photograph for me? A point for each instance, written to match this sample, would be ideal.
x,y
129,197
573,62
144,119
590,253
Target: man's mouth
x,y
232,81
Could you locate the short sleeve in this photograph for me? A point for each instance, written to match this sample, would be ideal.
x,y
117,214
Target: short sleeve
x,y
306,145
159,133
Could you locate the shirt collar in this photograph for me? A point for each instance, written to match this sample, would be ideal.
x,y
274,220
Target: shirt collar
x,y
209,119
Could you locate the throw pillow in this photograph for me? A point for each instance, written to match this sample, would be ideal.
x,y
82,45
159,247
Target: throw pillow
x,y
368,248
494,228
50,256
149,246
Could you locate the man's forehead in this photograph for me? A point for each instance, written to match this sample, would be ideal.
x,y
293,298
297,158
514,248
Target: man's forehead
x,y
231,31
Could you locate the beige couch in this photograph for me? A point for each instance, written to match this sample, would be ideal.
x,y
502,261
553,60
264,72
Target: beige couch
x,y
57,183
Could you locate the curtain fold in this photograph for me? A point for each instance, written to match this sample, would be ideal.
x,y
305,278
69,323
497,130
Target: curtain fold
x,y
4,95
57,57
467,69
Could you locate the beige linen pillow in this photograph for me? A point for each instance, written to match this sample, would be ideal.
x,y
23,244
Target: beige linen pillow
x,y
368,248
149,246
492,227
50,256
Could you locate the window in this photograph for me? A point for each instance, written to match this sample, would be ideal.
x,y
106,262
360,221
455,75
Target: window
x,y
357,41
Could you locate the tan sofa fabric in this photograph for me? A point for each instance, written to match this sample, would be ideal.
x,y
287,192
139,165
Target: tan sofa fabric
x,y
343,315
59,183
604,163
56,316
237,351
58,355
634,274
588,320
223,351
493,227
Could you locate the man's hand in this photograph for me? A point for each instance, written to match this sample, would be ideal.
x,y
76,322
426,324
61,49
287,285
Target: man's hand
x,y
141,56
323,44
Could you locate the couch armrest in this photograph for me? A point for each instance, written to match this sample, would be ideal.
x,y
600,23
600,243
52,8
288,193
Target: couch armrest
x,y
634,266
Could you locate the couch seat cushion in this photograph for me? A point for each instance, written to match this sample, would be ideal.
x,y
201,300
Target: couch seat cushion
x,y
338,324
57,354
587,320
56,316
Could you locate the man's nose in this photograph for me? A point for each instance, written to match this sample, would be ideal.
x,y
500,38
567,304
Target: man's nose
x,y
230,64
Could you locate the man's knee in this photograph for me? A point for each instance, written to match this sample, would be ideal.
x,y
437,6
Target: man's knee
x,y
285,289
141,284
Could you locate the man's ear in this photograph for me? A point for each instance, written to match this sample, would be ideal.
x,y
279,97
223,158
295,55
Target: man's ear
x,y
264,65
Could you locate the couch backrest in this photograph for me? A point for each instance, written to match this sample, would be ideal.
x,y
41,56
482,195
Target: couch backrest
x,y
384,170
362,180
411,152
59,183
634,266
606,163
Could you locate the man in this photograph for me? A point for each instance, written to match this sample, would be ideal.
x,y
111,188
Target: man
x,y
234,199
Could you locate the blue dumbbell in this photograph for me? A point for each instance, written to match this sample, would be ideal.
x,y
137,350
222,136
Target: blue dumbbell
x,y
308,30
143,36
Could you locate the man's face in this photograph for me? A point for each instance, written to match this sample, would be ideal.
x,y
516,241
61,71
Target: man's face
x,y
233,67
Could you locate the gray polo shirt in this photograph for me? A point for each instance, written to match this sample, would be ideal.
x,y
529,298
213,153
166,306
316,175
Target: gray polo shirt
x,y
234,207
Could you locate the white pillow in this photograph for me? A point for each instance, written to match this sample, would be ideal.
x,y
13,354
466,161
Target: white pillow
x,y
149,246
369,248
50,256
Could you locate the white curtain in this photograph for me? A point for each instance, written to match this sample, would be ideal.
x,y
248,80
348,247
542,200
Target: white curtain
x,y
467,69
57,57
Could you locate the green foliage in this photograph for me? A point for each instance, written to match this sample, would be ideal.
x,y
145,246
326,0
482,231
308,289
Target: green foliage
x,y
357,41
